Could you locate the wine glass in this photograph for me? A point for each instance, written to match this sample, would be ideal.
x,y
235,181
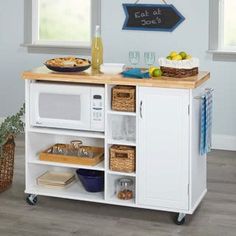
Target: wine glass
x,y
134,57
149,58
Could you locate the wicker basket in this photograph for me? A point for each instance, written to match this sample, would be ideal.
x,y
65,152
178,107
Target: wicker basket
x,y
123,98
122,158
178,73
7,164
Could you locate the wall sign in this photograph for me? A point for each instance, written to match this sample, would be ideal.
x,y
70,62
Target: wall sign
x,y
152,17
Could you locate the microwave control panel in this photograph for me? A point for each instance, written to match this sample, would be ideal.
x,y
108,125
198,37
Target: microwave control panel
x,y
97,116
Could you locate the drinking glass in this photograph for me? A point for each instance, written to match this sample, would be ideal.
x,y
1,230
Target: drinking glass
x,y
129,128
149,58
134,57
117,128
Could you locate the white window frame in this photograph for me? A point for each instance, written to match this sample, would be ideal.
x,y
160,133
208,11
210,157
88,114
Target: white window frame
x,y
31,31
216,29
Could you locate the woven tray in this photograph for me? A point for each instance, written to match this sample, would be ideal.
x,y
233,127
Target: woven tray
x,y
98,156
178,73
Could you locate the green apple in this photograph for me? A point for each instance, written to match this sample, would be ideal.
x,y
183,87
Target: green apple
x,y
157,72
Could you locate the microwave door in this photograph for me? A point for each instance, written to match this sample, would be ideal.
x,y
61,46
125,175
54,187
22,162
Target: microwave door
x,y
62,106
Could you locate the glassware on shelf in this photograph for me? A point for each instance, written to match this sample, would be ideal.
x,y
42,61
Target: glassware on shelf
x,y
75,147
129,123
86,152
134,57
117,127
149,58
125,189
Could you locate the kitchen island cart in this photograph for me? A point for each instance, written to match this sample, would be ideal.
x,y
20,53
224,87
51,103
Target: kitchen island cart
x,y
168,174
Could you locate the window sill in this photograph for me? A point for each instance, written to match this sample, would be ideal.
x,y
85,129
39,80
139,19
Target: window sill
x,y
222,52
57,49
223,55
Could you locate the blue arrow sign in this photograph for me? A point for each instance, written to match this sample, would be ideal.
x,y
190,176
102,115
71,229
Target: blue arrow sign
x,y
152,17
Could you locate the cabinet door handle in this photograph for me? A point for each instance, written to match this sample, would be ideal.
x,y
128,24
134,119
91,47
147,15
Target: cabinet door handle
x,y
141,109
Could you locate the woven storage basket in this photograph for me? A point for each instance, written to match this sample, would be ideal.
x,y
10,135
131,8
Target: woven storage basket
x,y
178,73
122,158
123,98
7,164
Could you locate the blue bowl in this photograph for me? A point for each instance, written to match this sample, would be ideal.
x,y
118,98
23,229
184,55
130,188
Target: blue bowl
x,y
92,180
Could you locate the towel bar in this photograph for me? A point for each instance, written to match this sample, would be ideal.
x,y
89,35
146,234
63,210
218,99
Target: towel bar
x,y
207,90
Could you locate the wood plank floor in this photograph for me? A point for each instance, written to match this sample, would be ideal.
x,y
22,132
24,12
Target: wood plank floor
x,y
216,216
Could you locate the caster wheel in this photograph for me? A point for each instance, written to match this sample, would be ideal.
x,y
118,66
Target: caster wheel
x,y
180,219
32,199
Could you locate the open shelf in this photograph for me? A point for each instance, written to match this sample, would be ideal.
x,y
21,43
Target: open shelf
x,y
121,142
121,113
76,191
99,166
121,173
76,133
116,201
112,178
121,129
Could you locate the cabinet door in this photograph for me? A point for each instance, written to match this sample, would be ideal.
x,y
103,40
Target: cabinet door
x,y
163,148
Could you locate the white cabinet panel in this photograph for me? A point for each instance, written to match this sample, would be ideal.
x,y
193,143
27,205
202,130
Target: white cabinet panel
x,y
163,148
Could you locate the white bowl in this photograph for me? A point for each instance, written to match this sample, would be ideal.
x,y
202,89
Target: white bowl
x,y
112,68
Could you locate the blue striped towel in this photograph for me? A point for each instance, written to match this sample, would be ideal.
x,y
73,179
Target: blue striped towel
x,y
206,122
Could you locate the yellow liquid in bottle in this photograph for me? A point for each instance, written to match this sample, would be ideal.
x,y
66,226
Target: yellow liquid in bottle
x,y
97,53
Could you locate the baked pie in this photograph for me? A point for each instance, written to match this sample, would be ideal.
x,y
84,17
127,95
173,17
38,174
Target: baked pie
x,y
68,64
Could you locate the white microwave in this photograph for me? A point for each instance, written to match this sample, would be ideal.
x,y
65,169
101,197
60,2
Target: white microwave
x,y
66,106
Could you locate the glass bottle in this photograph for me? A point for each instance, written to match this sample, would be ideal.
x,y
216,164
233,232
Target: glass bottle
x,y
97,49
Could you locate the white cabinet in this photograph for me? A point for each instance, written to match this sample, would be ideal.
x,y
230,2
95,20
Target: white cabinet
x,y
170,173
163,150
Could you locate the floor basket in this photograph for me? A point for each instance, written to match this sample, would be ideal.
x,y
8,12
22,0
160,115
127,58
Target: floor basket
x,y
7,164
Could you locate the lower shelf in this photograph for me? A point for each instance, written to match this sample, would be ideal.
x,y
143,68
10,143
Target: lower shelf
x,y
121,173
116,201
76,191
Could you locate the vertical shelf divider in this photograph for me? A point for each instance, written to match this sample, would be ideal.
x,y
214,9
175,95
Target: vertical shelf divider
x,y
106,151
137,142
109,175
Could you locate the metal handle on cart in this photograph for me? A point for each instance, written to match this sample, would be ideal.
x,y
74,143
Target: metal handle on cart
x,y
141,109
202,96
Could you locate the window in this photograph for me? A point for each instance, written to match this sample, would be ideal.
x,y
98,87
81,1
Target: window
x,y
227,29
61,23
222,26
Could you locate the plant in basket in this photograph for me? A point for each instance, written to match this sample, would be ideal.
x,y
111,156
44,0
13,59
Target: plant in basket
x,y
9,128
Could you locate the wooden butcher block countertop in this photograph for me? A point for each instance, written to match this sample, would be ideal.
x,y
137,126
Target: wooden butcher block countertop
x,y
94,77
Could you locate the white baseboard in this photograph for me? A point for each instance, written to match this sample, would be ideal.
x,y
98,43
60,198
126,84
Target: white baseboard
x,y
224,142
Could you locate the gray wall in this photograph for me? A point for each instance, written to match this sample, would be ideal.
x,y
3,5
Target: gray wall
x,y
13,58
190,36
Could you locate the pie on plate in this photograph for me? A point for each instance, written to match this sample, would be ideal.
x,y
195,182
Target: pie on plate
x,y
68,64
